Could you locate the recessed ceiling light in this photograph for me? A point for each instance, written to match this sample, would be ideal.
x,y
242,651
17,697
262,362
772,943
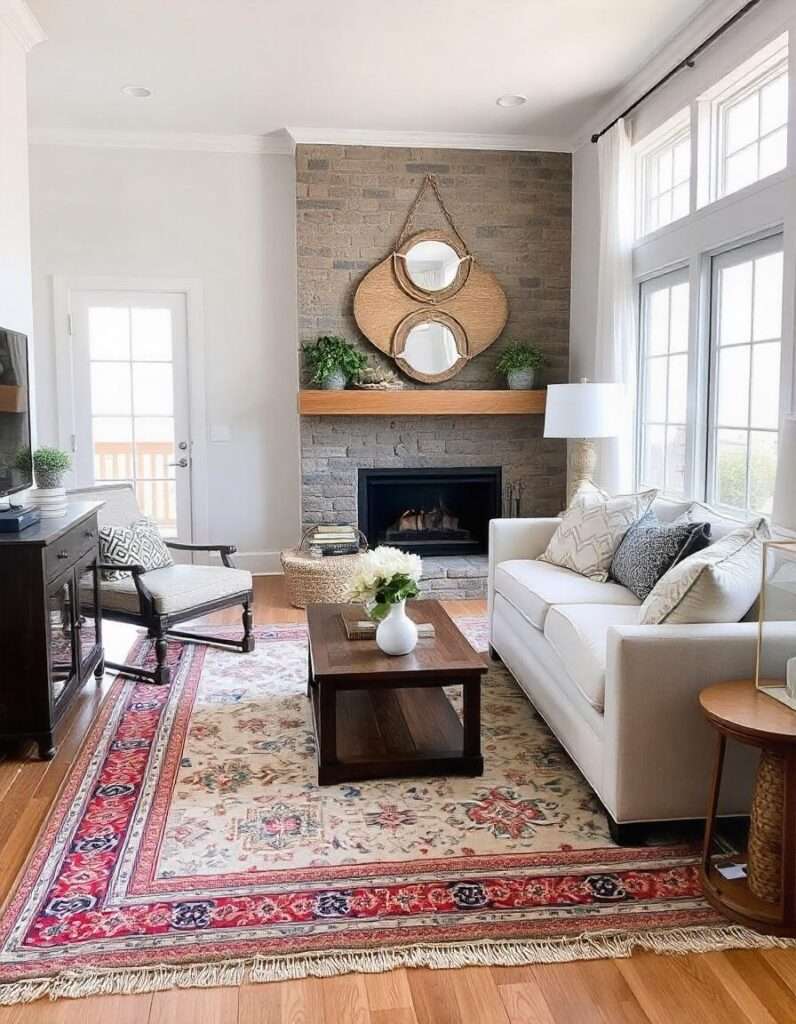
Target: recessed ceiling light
x,y
511,100
139,91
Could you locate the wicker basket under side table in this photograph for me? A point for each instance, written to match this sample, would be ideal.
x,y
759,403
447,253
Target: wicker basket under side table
x,y
316,580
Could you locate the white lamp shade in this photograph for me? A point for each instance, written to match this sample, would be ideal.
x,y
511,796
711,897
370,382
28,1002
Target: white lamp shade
x,y
783,512
583,410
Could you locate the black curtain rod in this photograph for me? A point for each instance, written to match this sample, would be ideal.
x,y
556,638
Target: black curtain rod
x,y
687,62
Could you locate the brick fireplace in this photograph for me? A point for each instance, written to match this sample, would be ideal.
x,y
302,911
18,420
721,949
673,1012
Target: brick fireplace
x,y
514,211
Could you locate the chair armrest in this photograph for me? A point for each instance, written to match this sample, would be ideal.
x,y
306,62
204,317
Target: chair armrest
x,y
225,550
516,538
138,571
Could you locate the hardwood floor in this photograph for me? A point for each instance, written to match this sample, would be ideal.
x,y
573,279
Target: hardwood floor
x,y
715,988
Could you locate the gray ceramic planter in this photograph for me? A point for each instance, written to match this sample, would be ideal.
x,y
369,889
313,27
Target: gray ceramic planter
x,y
47,479
334,382
521,380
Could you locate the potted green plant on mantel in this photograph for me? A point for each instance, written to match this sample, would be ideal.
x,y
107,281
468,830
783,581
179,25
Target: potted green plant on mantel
x,y
334,362
520,363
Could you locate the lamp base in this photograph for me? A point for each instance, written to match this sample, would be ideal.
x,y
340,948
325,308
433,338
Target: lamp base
x,y
582,462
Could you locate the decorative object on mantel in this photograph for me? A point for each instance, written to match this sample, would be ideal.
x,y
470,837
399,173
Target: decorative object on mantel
x,y
775,667
519,363
334,362
384,579
376,378
49,467
429,305
582,412
419,402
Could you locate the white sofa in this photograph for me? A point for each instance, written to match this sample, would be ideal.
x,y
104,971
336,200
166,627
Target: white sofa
x,y
621,698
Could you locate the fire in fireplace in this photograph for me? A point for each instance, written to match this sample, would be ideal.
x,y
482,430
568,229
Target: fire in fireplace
x,y
429,511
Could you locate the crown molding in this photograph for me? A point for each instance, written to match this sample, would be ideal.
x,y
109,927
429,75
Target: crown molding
x,y
707,19
307,135
20,20
274,143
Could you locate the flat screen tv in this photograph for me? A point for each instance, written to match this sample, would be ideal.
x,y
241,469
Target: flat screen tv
x,y
16,467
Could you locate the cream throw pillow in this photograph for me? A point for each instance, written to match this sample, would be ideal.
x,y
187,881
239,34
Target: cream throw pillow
x,y
718,584
591,529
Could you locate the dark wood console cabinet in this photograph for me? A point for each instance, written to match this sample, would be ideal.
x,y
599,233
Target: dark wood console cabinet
x,y
50,622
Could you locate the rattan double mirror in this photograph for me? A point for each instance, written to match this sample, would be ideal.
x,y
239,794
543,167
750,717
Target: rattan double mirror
x,y
429,305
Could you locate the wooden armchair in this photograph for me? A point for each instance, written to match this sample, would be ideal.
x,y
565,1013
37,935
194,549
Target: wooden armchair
x,y
160,598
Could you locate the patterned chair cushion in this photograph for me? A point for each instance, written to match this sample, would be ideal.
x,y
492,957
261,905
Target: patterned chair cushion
x,y
139,542
650,548
591,529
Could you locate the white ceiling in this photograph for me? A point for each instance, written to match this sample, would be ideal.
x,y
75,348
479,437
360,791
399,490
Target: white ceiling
x,y
249,67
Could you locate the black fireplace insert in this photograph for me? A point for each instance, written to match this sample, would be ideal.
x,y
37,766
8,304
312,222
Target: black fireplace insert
x,y
430,511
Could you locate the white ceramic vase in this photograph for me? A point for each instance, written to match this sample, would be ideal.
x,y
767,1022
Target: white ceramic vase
x,y
396,634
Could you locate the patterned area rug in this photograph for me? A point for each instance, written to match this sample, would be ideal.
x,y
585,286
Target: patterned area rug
x,y
190,845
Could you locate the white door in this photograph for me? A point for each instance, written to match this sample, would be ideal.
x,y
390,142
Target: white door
x,y
130,399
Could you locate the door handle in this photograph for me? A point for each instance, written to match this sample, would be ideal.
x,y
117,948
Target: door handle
x,y
180,463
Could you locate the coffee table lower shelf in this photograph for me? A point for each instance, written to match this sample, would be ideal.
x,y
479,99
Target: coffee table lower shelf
x,y
392,733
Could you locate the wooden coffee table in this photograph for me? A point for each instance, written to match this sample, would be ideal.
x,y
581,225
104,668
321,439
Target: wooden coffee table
x,y
379,717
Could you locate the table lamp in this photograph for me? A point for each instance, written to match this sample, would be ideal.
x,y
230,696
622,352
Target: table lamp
x,y
583,412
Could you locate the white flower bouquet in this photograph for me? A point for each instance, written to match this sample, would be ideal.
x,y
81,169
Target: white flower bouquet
x,y
385,577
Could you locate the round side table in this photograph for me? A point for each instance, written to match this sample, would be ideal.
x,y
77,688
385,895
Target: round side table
x,y
737,711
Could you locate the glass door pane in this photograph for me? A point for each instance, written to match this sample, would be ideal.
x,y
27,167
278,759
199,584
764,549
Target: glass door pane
x,y
62,646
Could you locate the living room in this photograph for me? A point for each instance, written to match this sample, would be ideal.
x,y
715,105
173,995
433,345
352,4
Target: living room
x,y
398,511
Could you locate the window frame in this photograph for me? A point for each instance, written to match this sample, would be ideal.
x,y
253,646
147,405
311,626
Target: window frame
x,y
674,131
748,249
750,77
668,278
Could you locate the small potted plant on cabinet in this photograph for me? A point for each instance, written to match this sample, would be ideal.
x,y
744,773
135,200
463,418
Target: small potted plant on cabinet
x,y
334,362
49,467
520,363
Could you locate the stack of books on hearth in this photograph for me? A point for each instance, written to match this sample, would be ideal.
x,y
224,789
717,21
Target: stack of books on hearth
x,y
335,540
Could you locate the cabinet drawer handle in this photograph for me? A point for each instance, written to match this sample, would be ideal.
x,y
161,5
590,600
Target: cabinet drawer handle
x,y
63,554
89,533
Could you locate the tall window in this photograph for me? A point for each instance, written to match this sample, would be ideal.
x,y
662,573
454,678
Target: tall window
x,y
663,369
664,175
746,339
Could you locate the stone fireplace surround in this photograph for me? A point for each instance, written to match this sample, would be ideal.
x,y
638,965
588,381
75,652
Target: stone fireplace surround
x,y
514,209
334,448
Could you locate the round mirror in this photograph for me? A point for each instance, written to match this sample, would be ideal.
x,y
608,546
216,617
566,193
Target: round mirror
x,y
432,265
430,346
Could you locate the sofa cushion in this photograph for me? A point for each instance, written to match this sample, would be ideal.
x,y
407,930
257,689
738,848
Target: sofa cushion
x,y
532,587
590,531
579,636
719,584
650,548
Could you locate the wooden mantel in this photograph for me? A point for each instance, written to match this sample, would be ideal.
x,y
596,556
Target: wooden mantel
x,y
421,402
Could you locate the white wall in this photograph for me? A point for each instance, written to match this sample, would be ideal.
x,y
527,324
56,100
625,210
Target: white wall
x,y
16,310
227,219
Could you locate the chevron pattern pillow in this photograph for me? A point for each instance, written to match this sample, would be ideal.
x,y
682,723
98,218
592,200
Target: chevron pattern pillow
x,y
140,542
590,532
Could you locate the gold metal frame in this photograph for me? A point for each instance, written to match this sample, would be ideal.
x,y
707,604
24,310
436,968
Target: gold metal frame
x,y
787,545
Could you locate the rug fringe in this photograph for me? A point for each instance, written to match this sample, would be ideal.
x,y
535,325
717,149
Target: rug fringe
x,y
484,953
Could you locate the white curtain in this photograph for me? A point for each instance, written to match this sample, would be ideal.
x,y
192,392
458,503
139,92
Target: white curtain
x,y
615,333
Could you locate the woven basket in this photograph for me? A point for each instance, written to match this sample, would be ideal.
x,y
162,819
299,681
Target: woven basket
x,y
764,856
322,580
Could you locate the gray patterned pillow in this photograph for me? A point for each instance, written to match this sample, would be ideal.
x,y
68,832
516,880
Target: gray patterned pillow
x,y
650,548
140,542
